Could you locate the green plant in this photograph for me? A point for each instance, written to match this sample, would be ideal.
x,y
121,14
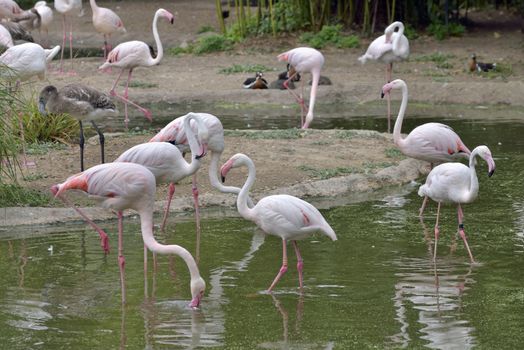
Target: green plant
x,y
140,84
441,31
393,153
179,50
39,148
330,35
205,29
15,195
501,70
212,43
266,134
244,68
327,173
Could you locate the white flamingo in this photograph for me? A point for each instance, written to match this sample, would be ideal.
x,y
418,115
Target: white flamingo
x,y
68,8
106,22
46,18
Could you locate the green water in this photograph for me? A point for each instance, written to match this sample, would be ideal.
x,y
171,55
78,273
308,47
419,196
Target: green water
x,y
376,287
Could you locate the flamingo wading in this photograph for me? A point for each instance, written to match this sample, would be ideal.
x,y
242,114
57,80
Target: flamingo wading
x,y
456,183
287,217
120,186
132,54
431,142
304,59
391,47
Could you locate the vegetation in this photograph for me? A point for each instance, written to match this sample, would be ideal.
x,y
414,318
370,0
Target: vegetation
x,y
245,68
266,134
16,195
328,173
330,35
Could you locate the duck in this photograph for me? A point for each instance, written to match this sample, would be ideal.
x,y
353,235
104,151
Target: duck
x,y
283,77
256,83
479,66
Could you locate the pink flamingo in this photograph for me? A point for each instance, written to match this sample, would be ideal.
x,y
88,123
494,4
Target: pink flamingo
x,y
67,8
388,48
46,18
175,132
132,54
287,217
304,59
9,9
165,160
106,22
456,183
432,142
120,186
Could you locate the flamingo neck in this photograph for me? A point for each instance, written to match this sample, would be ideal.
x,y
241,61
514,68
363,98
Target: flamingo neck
x,y
94,6
146,220
474,181
312,97
159,47
397,37
243,196
398,123
194,145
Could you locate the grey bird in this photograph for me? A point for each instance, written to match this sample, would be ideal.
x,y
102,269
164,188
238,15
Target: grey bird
x,y
81,102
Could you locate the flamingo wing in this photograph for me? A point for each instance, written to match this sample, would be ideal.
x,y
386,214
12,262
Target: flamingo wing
x,y
129,54
447,183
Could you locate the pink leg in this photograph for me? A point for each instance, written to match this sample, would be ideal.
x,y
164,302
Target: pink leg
x,y
389,69
197,216
283,268
146,291
104,240
299,99
63,44
121,259
300,265
423,206
124,98
168,204
436,233
72,71
462,233
28,164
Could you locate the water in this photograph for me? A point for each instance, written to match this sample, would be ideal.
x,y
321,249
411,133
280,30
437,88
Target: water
x,y
376,287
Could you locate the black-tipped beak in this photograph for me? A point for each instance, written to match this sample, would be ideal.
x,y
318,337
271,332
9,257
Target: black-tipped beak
x,y
382,94
200,155
223,178
172,20
491,173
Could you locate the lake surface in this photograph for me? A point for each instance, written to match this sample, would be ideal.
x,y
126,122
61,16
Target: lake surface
x,y
376,287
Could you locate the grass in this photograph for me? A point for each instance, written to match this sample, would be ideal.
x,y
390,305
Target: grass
x,y
40,148
501,71
330,35
393,153
440,59
345,134
34,177
15,195
285,134
244,68
206,44
440,31
328,173
140,84
205,29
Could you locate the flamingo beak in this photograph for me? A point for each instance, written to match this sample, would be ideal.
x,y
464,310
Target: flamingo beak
x,y
41,107
54,190
491,166
204,151
195,302
382,94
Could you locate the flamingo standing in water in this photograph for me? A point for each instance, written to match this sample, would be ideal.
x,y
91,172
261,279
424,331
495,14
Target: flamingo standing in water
x,y
432,142
132,54
287,217
120,186
81,102
304,59
391,47
106,22
456,183
67,8
175,132
166,161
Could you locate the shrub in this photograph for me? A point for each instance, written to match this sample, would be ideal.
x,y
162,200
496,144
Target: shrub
x,y
441,31
212,43
330,35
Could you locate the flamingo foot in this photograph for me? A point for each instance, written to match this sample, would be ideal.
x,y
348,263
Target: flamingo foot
x,y
104,242
281,272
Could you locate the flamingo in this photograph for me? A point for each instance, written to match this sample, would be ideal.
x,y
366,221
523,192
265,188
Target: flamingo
x,y
67,8
456,183
106,22
431,142
132,54
165,160
18,32
120,186
388,48
81,102
304,59
285,216
9,9
6,40
46,18
175,132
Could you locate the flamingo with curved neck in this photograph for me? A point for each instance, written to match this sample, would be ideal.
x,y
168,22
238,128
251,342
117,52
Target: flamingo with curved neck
x,y
392,46
120,186
431,142
456,183
304,59
284,216
132,54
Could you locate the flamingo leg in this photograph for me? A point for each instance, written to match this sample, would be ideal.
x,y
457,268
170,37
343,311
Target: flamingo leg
x,y
106,50
436,233
28,164
300,265
71,46
423,206
197,214
283,268
299,99
168,204
121,259
101,138
389,70
126,101
104,240
146,291
462,233
81,142
63,44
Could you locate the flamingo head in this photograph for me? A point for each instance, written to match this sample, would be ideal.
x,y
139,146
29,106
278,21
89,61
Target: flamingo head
x,y
225,169
395,84
198,286
166,14
55,189
485,153
48,92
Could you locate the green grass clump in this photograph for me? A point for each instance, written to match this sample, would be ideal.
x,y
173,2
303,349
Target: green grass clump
x,y
440,59
47,128
212,43
330,35
40,148
140,84
501,70
393,153
328,173
12,195
244,68
440,31
285,134
205,29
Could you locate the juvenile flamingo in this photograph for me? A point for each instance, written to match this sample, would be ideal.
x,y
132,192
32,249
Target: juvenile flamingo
x,y
106,22
287,217
120,186
388,48
456,183
67,8
166,161
304,59
132,54
432,142
81,102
